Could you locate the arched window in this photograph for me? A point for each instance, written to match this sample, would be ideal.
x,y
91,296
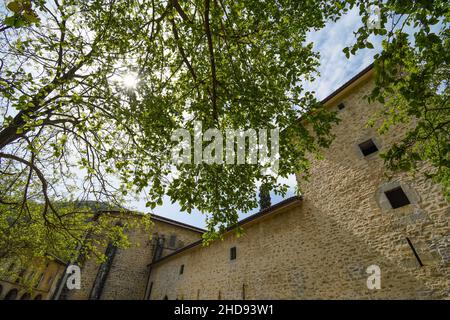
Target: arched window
x,y
38,297
166,297
21,275
11,295
26,296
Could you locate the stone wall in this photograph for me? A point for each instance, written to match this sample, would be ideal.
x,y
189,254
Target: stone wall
x,y
321,247
43,276
128,274
349,189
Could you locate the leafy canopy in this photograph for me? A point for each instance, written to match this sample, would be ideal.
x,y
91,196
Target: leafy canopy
x,y
91,91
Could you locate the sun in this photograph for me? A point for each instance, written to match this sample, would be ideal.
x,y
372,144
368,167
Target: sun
x,y
130,80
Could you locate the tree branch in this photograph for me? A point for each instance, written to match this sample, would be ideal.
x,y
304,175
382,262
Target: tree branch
x,y
212,60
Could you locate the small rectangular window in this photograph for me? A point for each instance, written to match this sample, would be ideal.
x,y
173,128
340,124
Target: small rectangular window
x,y
182,269
341,106
233,253
172,241
368,147
397,198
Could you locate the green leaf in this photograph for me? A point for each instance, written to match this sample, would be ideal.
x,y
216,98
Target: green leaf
x,y
31,17
9,21
15,6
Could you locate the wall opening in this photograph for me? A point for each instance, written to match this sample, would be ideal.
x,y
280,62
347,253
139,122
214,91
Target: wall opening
x,y
182,269
368,147
102,273
26,296
341,106
41,276
173,241
21,275
11,295
233,253
397,197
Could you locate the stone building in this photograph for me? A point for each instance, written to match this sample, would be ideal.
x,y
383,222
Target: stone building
x,y
350,226
41,279
125,273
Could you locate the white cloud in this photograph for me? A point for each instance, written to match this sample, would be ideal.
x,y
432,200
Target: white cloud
x,y
335,69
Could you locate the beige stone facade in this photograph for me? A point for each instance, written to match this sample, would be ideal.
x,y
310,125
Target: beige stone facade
x,y
42,275
127,275
318,246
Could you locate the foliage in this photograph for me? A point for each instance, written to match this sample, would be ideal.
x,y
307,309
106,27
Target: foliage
x,y
28,240
264,197
412,81
22,14
77,127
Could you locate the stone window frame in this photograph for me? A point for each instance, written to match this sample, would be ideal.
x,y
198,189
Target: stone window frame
x,y
384,203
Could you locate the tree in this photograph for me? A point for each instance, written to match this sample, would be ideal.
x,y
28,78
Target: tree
x,y
91,92
412,81
264,197
29,239
41,79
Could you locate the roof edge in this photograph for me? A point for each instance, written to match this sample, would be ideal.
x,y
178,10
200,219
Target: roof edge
x,y
159,218
255,216
348,83
178,223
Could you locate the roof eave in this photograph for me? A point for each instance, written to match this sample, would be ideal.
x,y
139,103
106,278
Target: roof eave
x,y
263,213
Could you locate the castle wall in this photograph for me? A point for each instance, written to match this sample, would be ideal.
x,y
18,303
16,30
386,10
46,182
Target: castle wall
x,y
349,189
322,247
298,253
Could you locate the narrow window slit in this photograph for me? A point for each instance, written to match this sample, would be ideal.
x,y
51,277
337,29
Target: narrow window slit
x,y
233,253
182,269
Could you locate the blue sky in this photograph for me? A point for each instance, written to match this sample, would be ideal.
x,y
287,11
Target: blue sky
x,y
335,70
